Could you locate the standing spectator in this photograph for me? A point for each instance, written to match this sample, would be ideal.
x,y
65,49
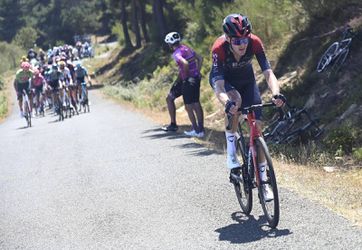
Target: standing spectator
x,y
187,84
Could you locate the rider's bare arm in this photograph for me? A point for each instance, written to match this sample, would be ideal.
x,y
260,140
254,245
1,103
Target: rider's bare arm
x,y
272,81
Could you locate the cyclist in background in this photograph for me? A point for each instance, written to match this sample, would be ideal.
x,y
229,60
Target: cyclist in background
x,y
80,73
32,54
54,77
233,80
38,83
187,84
66,79
22,82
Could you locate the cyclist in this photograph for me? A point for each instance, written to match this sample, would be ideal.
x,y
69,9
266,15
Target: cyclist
x,y
187,84
32,54
38,83
233,80
54,78
80,74
22,82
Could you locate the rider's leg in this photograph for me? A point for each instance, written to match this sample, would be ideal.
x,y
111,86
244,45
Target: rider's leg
x,y
232,161
175,92
170,100
199,115
191,115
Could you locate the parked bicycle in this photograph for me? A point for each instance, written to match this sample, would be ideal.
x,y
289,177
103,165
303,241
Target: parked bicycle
x,y
293,125
250,174
26,108
336,54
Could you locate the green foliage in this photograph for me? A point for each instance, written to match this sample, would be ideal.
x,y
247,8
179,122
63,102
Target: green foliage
x,y
3,105
357,154
2,83
26,37
322,8
10,55
11,19
118,32
341,140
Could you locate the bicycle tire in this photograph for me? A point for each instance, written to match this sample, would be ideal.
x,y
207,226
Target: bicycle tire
x,y
326,59
243,188
61,110
27,113
271,208
339,61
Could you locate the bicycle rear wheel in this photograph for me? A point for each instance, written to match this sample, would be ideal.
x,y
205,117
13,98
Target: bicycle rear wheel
x,y
243,187
270,208
327,57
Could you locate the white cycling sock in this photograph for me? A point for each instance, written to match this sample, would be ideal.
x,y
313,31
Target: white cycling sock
x,y
230,143
262,170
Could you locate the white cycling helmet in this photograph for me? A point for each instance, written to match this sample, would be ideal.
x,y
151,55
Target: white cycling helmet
x,y
172,38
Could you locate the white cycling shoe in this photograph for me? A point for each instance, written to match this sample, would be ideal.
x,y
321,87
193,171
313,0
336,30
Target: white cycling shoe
x,y
267,193
193,133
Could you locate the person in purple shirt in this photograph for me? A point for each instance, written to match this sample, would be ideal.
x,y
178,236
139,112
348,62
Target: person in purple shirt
x,y
187,84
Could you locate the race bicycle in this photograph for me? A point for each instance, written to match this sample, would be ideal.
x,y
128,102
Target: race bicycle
x,y
249,178
336,53
293,125
26,108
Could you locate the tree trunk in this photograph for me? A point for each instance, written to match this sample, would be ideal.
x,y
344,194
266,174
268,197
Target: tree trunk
x,y
135,26
141,6
157,8
127,39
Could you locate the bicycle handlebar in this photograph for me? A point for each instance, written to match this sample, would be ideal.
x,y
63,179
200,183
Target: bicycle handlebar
x,y
248,110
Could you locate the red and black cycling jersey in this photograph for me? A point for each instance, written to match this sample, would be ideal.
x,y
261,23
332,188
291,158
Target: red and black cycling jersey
x,y
237,73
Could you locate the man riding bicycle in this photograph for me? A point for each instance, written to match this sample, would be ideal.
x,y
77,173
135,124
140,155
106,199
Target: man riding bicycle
x,y
80,73
233,80
22,82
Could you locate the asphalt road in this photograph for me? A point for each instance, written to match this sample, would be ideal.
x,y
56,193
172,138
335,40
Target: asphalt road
x,y
111,179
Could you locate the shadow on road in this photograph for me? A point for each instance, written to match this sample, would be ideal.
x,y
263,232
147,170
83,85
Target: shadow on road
x,y
248,229
199,149
158,133
23,127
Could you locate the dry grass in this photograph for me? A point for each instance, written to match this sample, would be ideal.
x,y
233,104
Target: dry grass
x,y
340,190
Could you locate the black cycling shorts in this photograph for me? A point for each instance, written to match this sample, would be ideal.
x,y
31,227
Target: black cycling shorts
x,y
20,87
191,90
249,93
176,89
54,84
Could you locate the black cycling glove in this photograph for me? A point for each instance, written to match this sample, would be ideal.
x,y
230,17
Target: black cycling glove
x,y
281,97
228,106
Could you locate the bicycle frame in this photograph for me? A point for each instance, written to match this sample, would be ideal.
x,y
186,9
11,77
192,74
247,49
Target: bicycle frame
x,y
254,133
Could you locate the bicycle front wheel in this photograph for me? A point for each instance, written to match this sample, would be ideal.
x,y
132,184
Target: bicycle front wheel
x,y
270,207
243,187
327,57
27,113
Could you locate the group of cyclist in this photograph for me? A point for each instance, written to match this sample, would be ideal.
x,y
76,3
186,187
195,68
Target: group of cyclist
x,y
44,76
232,79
